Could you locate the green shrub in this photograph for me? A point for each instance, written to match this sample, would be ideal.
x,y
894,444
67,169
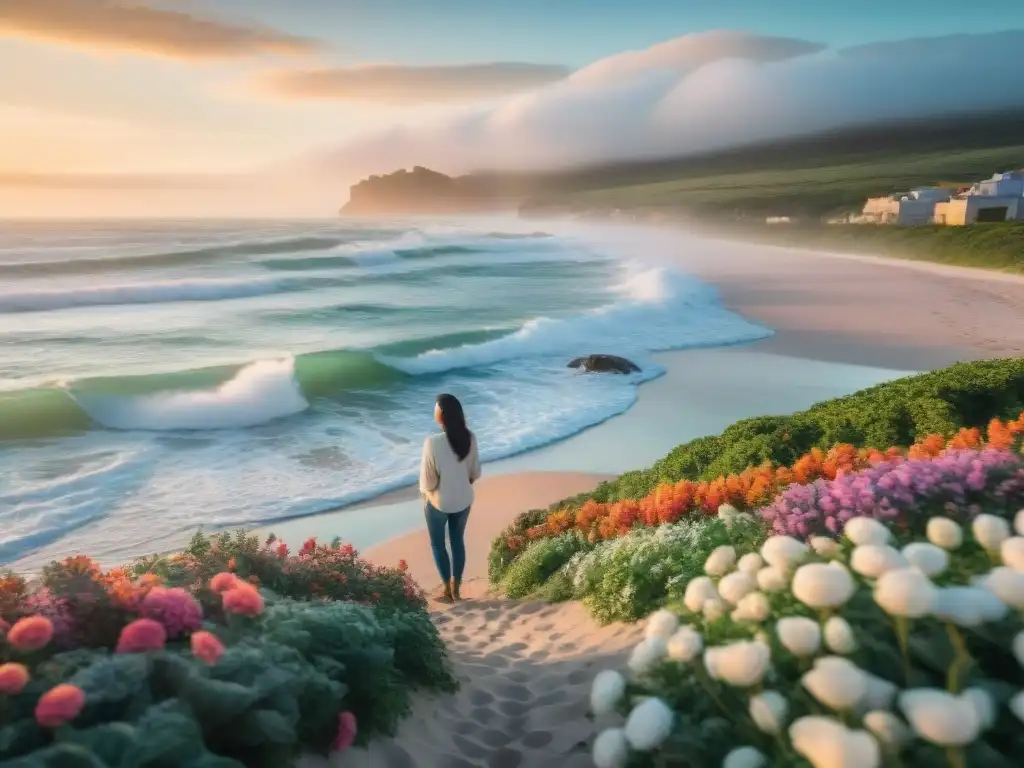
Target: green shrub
x,y
541,560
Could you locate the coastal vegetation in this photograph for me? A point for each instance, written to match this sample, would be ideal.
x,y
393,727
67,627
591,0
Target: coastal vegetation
x,y
962,407
234,652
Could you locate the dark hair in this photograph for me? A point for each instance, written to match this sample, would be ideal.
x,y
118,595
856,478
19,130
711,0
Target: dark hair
x,y
454,424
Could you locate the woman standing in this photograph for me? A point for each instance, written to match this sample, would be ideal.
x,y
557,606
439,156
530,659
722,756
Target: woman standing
x,y
450,466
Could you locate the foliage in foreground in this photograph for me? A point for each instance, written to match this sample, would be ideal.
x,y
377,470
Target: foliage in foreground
x,y
185,661
892,414
879,648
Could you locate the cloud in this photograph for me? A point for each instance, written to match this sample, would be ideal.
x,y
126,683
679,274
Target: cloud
x,y
133,27
704,92
396,84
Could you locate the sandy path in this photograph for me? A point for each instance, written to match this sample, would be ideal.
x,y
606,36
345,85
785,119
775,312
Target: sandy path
x,y
525,669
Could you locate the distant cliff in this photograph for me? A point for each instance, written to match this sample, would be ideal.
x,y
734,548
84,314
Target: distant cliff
x,y
422,190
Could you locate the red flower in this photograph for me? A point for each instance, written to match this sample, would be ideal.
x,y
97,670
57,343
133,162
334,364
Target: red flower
x,y
346,732
206,646
142,636
403,566
59,705
308,546
30,633
13,678
232,564
282,550
243,600
223,581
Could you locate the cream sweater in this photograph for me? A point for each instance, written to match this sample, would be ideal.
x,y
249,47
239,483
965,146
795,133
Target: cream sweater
x,y
445,481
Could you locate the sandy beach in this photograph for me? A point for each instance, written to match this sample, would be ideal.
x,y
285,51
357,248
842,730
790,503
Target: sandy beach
x,y
842,323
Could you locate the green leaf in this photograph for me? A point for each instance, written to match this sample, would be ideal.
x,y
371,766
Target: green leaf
x,y
116,679
216,702
109,742
165,735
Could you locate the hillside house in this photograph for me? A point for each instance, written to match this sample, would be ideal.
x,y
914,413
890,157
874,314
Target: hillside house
x,y
915,207
1009,184
971,209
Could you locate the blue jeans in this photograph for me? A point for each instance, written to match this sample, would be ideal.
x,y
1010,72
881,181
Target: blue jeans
x,y
436,522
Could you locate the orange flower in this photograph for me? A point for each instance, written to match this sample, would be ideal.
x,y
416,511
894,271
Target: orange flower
x,y
243,600
207,647
13,678
232,564
30,633
223,581
59,705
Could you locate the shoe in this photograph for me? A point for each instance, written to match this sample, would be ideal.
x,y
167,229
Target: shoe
x,y
454,590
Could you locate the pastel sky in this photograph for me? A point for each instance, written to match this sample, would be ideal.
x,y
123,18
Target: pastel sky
x,y
114,97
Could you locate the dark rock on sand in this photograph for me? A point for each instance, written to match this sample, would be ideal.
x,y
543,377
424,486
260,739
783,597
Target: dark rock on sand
x,y
604,364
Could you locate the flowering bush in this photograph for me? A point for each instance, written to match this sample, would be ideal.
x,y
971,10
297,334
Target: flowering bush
x,y
817,488
170,662
848,652
899,490
752,460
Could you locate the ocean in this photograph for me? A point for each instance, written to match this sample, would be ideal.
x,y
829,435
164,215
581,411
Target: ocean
x,y
160,377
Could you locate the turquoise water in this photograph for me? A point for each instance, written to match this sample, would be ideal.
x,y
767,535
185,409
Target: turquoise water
x,y
158,377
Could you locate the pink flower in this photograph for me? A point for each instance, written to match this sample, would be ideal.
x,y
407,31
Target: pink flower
x,y
223,581
346,732
141,636
30,633
13,678
175,608
59,705
244,600
207,647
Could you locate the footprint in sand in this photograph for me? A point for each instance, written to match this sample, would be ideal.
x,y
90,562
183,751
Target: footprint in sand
x,y
526,670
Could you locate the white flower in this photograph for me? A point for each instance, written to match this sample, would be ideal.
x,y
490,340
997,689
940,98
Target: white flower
x,y
685,644
887,728
742,663
799,635
967,606
990,531
752,607
783,551
611,750
649,724
827,743
661,624
983,705
839,636
744,757
866,530
713,610
905,592
878,694
750,562
698,591
606,691
1006,584
825,546
647,654
927,558
1016,704
943,532
1018,647
940,717
727,511
771,579
872,560
822,586
734,586
768,711
1012,552
1018,522
720,561
836,682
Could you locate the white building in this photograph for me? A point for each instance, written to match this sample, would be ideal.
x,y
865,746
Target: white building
x,y
1009,184
915,207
